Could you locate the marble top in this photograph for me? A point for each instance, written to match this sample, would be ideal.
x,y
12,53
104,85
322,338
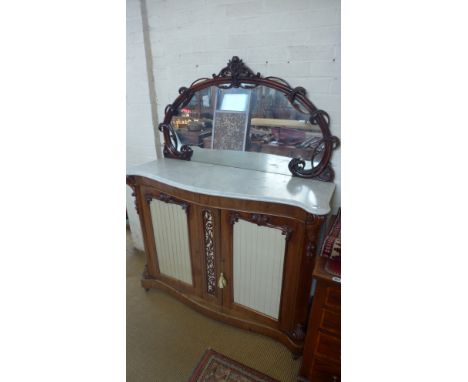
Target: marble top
x,y
213,179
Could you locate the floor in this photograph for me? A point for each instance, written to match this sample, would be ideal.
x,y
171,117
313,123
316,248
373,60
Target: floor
x,y
166,339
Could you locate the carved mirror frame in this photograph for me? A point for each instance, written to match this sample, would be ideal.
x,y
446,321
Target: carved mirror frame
x,y
236,74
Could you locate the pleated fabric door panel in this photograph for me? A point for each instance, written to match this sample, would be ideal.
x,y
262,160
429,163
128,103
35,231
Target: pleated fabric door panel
x,y
172,240
258,259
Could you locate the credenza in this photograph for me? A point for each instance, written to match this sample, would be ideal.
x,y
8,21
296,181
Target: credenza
x,y
236,244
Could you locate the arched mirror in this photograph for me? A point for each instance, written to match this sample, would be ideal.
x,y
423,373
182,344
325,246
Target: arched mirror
x,y
239,111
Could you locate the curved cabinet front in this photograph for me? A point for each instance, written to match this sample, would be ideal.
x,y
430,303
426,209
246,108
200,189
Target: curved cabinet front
x,y
245,262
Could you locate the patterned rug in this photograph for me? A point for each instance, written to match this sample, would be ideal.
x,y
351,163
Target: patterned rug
x,y
215,367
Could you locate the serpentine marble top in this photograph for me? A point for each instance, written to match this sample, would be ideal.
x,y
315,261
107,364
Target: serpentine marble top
x,y
213,179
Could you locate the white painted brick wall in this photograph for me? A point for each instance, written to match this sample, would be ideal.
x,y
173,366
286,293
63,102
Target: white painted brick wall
x,y
140,136
298,40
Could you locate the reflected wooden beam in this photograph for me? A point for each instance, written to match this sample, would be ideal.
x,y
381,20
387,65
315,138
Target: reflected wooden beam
x,y
291,123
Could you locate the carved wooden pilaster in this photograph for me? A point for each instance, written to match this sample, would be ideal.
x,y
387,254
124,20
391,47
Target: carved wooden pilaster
x,y
313,224
210,262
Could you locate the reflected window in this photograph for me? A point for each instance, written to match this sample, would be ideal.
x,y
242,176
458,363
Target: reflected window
x,y
234,102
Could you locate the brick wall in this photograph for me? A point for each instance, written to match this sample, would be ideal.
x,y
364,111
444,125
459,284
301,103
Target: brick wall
x,y
140,135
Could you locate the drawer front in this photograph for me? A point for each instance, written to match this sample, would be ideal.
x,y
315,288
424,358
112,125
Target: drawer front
x,y
328,347
331,321
333,297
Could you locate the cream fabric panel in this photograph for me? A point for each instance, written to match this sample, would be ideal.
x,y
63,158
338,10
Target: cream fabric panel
x,y
172,240
258,267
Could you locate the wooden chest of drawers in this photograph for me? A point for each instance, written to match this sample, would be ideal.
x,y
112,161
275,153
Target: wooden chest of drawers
x,y
322,348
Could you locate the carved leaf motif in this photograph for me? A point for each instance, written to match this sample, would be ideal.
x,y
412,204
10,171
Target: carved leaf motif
x,y
168,199
259,219
234,218
236,69
209,252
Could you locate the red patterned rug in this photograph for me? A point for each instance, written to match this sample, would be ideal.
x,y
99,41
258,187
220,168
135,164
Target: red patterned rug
x,y
215,367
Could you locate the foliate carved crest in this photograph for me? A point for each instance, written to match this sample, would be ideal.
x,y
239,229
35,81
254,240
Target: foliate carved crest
x,y
236,69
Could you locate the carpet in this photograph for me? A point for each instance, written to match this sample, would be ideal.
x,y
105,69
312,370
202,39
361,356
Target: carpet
x,y
215,367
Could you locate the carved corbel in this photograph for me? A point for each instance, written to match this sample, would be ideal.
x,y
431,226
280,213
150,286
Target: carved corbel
x,y
234,218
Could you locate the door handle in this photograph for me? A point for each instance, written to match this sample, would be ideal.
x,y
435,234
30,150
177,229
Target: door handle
x,y
222,281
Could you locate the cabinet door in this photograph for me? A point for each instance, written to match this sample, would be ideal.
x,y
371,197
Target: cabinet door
x,y
255,249
171,226
170,229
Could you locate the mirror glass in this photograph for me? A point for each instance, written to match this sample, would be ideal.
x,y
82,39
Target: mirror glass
x,y
259,120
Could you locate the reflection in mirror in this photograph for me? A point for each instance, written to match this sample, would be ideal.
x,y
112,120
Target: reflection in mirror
x,y
260,119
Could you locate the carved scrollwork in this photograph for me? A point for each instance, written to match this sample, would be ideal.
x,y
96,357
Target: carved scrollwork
x,y
198,80
261,220
315,116
234,218
236,70
171,144
237,74
278,79
167,199
169,109
320,172
292,98
209,252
